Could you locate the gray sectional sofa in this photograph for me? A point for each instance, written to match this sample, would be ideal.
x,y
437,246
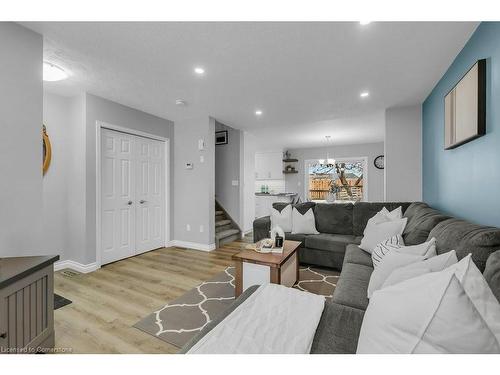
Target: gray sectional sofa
x,y
341,228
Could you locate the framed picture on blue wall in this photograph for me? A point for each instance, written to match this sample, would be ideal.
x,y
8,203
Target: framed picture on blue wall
x,y
465,108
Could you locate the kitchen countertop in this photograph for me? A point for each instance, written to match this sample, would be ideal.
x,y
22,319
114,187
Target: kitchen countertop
x,y
275,194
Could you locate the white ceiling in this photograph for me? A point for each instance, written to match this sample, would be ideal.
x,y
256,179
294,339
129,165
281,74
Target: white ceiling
x,y
306,77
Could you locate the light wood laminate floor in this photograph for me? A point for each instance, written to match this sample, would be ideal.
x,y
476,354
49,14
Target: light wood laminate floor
x,y
108,302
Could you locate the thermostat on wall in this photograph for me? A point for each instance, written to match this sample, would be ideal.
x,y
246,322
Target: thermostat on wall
x,y
189,165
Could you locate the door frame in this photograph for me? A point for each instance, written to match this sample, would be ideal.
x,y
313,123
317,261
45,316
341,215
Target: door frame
x,y
345,159
104,125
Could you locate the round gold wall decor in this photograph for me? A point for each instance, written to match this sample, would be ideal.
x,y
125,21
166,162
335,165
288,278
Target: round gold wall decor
x,y
47,150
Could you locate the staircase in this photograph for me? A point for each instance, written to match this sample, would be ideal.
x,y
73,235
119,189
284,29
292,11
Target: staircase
x,y
226,229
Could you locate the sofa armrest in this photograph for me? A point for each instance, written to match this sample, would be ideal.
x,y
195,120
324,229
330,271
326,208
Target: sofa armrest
x,y
338,330
261,228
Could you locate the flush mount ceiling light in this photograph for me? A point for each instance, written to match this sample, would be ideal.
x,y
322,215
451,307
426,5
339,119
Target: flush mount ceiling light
x,y
364,94
363,23
258,112
199,70
52,73
181,103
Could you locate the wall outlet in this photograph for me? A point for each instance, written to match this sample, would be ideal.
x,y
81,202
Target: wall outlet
x,y
188,227
201,229
202,159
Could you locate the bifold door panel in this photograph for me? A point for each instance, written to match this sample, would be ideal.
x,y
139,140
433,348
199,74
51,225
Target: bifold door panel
x,y
132,195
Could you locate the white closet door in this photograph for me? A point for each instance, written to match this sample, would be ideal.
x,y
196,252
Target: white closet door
x,y
150,182
118,217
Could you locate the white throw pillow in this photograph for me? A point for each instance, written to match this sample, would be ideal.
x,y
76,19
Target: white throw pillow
x,y
391,261
376,233
384,215
282,219
434,264
452,311
395,242
303,224
426,249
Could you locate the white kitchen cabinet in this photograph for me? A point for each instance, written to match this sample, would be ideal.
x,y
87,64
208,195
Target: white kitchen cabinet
x,y
264,203
269,166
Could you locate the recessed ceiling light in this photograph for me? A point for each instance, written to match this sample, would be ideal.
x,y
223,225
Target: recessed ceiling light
x,y
364,94
258,112
199,70
365,22
53,73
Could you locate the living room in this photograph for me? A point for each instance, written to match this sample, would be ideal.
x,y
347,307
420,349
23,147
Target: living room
x,y
249,187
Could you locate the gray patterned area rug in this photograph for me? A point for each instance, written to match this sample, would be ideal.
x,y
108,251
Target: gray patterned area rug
x,y
181,319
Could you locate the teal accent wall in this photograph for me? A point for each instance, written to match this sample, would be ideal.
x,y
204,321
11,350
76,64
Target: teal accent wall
x,y
465,182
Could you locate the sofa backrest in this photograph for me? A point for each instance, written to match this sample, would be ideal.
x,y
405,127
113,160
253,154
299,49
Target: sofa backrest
x,y
421,220
334,218
301,207
363,211
465,238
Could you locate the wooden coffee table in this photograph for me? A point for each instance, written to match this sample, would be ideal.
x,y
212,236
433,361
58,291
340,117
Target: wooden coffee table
x,y
253,268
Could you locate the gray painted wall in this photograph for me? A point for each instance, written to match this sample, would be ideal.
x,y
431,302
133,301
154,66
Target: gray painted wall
x,y
227,169
248,148
21,150
99,109
403,154
295,182
64,183
194,189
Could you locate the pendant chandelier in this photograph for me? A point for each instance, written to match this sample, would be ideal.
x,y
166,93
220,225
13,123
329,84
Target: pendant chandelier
x,y
330,162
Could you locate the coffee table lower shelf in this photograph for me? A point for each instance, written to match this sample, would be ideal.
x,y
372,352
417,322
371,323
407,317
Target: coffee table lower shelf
x,y
254,268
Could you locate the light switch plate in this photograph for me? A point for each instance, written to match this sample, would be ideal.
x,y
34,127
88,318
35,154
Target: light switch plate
x,y
202,159
235,183
201,144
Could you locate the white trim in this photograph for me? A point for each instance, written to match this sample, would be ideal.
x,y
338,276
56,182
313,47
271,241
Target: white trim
x,y
193,245
100,125
365,174
71,264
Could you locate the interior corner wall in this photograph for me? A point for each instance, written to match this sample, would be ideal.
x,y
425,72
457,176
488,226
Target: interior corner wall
x,y
227,170
194,189
100,109
21,91
248,149
64,183
403,154
464,181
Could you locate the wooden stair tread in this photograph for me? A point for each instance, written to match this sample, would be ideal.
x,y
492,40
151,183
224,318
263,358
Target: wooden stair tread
x,y
221,223
226,233
219,213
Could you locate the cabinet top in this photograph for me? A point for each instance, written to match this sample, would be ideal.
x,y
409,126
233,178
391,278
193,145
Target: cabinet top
x,y
17,268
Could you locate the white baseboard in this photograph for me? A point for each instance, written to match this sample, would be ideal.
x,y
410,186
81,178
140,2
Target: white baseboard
x,y
83,268
193,245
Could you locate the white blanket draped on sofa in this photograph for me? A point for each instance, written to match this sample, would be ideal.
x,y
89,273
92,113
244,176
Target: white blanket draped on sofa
x,y
274,319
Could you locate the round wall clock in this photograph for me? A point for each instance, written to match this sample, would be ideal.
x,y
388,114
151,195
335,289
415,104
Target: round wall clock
x,y
379,162
47,150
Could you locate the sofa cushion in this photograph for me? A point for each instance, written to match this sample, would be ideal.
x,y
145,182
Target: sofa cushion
x,y
296,237
363,211
353,254
465,238
329,242
492,273
352,286
421,220
322,258
338,330
334,218
301,207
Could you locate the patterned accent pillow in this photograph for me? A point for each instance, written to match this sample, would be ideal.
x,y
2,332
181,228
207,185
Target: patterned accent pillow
x,y
380,251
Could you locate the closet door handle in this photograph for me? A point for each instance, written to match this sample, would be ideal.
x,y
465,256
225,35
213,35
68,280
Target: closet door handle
x,y
3,335
142,201
130,203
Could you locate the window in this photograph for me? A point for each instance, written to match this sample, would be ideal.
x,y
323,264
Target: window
x,y
342,181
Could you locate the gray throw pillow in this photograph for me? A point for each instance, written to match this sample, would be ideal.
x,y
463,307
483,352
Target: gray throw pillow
x,y
492,273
